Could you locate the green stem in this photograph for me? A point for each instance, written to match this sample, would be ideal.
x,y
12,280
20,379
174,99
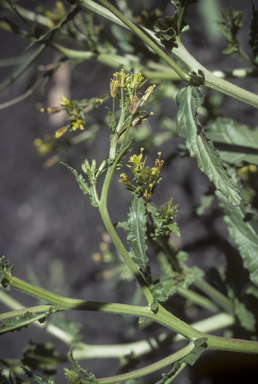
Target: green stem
x,y
127,131
112,232
197,299
214,82
112,60
23,96
150,368
138,348
23,68
162,316
143,36
180,53
214,294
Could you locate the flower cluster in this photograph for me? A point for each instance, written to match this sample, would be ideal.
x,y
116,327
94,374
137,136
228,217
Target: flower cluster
x,y
131,83
147,178
167,211
44,146
76,115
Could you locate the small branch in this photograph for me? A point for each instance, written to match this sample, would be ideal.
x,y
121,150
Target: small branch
x,y
144,37
23,68
150,368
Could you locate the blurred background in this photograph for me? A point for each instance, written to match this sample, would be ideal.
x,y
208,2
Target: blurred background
x,y
49,229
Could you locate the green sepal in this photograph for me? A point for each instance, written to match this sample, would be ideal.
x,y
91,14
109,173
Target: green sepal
x,y
83,185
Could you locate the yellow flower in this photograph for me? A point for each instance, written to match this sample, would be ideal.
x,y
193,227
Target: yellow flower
x,y
125,179
78,123
66,102
137,80
141,119
51,110
147,195
148,93
134,104
60,132
136,160
113,87
253,168
159,163
42,147
122,78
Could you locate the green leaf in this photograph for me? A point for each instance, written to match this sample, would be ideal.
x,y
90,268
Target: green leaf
x,y
246,317
205,202
136,230
5,273
174,228
254,31
42,357
168,29
176,280
196,352
74,376
230,28
154,306
83,185
237,143
159,292
190,359
167,378
243,228
18,380
16,323
189,99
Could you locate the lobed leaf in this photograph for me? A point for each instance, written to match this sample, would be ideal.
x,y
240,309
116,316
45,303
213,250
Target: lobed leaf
x,y
17,322
238,144
83,185
189,99
41,356
169,28
136,228
159,292
243,228
197,351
